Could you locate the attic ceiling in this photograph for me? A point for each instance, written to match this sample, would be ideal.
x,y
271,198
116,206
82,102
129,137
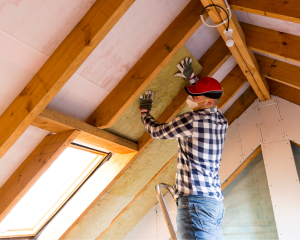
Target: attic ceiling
x,y
31,32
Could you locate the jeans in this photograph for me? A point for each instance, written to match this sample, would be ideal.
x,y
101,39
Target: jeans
x,y
199,218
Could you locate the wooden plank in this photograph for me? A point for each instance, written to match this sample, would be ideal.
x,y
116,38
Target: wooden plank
x,y
284,10
241,167
240,105
211,61
137,196
56,122
279,71
243,55
284,91
231,84
32,169
282,45
220,53
61,65
149,65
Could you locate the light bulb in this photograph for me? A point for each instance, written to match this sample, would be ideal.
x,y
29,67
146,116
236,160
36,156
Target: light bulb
x,y
228,34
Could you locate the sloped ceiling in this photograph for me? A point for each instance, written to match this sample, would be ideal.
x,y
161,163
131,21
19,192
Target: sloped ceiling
x,y
30,31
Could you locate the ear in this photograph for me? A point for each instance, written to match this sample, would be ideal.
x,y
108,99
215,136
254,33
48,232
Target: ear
x,y
210,102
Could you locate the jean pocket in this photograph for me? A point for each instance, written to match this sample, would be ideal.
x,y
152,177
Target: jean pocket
x,y
207,218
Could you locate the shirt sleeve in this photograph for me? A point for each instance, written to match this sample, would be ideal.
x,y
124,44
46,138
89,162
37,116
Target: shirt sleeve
x,y
181,126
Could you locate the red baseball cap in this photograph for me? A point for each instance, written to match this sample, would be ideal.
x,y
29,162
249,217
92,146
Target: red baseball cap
x,y
207,86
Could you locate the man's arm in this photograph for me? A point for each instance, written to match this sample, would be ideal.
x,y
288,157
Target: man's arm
x,y
181,126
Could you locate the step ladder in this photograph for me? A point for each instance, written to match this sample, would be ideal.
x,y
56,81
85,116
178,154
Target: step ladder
x,y
164,208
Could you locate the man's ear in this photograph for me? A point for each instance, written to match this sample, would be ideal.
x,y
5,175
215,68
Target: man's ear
x,y
210,102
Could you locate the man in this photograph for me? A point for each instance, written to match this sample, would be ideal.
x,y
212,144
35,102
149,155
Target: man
x,y
201,136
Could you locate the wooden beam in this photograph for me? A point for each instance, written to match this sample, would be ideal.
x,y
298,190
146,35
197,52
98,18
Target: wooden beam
x,y
241,167
211,61
149,65
56,122
32,169
231,84
284,91
284,10
243,55
58,69
137,196
279,71
240,105
282,45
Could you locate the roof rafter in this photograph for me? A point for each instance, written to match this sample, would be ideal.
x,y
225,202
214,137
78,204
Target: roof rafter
x,y
284,10
58,69
32,169
282,45
149,65
57,122
243,55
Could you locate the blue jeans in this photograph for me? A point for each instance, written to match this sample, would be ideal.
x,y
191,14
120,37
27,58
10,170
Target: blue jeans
x,y
199,218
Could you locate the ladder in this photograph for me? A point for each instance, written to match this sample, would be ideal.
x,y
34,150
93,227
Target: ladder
x,y
164,209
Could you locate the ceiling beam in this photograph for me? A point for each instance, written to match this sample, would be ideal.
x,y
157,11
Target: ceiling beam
x,y
58,69
240,105
284,91
149,65
34,166
243,55
56,122
284,10
241,167
279,71
279,44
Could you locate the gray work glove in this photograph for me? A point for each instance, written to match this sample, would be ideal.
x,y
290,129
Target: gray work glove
x,y
186,71
146,101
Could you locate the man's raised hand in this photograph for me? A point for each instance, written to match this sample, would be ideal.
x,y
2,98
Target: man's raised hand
x,y
146,101
186,71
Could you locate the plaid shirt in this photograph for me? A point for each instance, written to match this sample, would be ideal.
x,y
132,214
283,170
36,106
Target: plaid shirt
x,y
201,136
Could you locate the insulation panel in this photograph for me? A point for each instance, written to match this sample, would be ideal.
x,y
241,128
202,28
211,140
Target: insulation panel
x,y
249,130
284,187
290,115
232,152
270,123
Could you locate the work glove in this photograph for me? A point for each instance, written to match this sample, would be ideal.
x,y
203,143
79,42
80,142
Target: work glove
x,y
186,71
146,101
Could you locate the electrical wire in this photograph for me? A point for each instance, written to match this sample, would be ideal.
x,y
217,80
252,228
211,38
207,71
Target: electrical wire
x,y
227,20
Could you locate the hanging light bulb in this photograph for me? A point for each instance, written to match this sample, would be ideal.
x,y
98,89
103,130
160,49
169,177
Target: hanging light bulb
x,y
228,34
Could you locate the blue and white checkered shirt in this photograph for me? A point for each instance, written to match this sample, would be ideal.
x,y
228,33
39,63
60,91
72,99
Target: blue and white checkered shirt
x,y
201,136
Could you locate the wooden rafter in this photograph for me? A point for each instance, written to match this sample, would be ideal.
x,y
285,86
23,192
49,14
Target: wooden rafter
x,y
32,168
279,71
149,65
282,45
58,69
284,10
56,122
243,55
284,91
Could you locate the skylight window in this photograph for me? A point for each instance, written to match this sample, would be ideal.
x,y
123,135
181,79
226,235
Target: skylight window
x,y
50,192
